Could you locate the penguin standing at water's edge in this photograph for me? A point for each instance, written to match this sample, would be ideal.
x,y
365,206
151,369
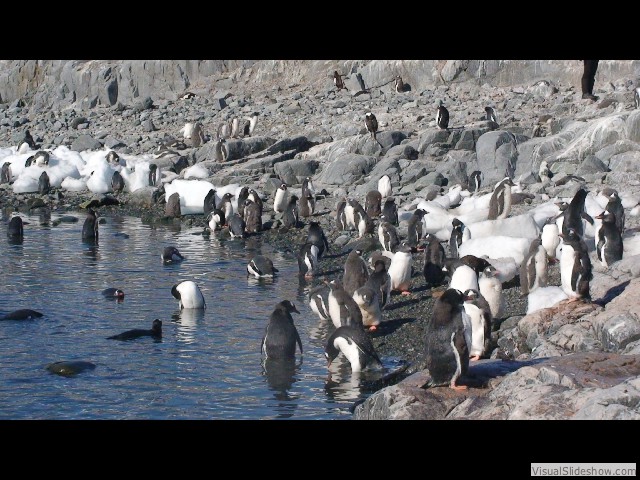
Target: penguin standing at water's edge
x,y
281,335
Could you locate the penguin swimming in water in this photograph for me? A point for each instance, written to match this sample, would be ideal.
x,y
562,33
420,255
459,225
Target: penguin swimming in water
x,y
371,122
5,173
480,318
15,229
90,226
434,257
414,227
401,269
252,217
307,259
368,301
575,266
442,116
446,349
355,345
356,272
290,216
281,335
113,293
171,255
491,115
43,183
172,208
261,267
343,309
500,202
380,281
457,235
209,204
609,246
317,237
237,227
533,269
154,332
387,235
384,186
390,211
373,203
490,288
319,301
216,219
188,295
117,182
281,199
475,181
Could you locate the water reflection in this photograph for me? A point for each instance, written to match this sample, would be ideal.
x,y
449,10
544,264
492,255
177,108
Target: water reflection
x,y
342,384
187,320
281,375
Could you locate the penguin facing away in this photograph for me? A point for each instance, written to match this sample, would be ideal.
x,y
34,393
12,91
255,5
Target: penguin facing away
x,y
44,185
457,235
356,272
171,255
434,257
609,247
373,203
237,226
290,216
480,318
209,204
15,229
341,217
575,267
252,217
414,227
343,309
380,281
574,214
90,226
281,335
355,345
533,270
371,122
390,211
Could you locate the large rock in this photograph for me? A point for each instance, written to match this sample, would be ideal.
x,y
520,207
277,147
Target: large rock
x,y
497,155
85,142
346,169
292,172
244,147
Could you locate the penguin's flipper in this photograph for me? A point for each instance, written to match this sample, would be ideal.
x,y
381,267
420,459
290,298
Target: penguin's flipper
x,y
587,217
299,341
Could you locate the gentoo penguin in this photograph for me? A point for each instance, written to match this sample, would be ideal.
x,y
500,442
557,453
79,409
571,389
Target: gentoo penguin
x,y
609,241
90,226
171,255
361,221
414,227
153,174
478,264
399,84
221,153
15,229
371,123
254,197
475,180
261,267
224,130
355,345
172,208
463,278
614,206
155,332
446,349
235,127
5,173
252,217
356,272
401,269
188,295
22,314
341,217
117,182
319,301
317,237
550,238
237,226
500,202
226,205
290,216
180,164
343,309
307,259
281,199
373,203
307,203
491,115
281,335
533,269
337,81
380,281
209,204
575,266
490,288
113,293
384,186
41,158
28,139
187,96
28,162
544,172
457,234
368,300
636,97
434,257
250,126
243,195
387,235
216,219
574,214
442,116
480,318
390,211
43,183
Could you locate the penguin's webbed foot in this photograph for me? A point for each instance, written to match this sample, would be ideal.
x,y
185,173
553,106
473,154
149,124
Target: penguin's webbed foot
x,y
457,387
372,328
405,292
474,358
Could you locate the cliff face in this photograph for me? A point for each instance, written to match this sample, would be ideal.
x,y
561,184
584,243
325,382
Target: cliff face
x,y
88,83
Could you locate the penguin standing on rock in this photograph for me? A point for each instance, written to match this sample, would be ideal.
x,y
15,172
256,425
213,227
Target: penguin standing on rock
x,y
373,203
209,204
355,345
356,272
380,281
384,186
414,227
5,173
290,216
338,82
361,221
387,235
172,208
252,217
614,206
434,257
153,175
491,115
281,335
254,197
475,180
307,204
442,116
117,182
401,269
609,246
575,266
44,185
399,84
550,238
480,318
390,211
446,349
533,269
490,288
371,122
317,237
457,234
281,199
343,309
341,216
574,213
500,202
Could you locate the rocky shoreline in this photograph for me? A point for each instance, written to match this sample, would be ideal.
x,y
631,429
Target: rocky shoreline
x,y
571,361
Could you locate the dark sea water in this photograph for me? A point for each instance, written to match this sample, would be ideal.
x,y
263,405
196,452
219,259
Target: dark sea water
x,y
208,364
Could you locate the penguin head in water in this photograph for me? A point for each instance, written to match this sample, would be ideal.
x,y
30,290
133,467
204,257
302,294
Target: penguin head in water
x,y
156,327
175,292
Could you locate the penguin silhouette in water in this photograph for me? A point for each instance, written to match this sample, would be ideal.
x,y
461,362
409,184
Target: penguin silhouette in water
x,y
373,203
387,235
575,266
22,314
281,334
171,255
355,345
390,211
44,185
307,259
343,309
500,201
533,269
380,281
290,216
457,234
356,272
414,227
209,204
434,257
252,217
172,208
113,293
317,237
15,229
480,322
446,349
261,267
574,213
155,332
117,182
609,246
90,227
442,116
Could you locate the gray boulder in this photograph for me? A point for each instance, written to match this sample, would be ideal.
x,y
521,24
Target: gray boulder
x,y
346,169
85,142
292,172
497,155
241,148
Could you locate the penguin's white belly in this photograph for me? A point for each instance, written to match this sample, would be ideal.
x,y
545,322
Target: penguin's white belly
x,y
323,310
351,351
550,239
334,311
384,187
464,278
603,259
400,270
190,296
477,329
349,216
280,201
567,259
491,290
541,268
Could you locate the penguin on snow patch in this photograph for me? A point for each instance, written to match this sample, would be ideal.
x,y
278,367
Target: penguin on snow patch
x,y
457,234
500,201
490,288
533,270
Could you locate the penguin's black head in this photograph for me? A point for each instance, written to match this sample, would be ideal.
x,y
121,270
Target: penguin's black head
x,y
175,292
490,271
379,266
358,252
228,196
288,306
455,222
330,352
283,186
156,327
293,199
452,296
118,293
420,212
606,217
570,237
